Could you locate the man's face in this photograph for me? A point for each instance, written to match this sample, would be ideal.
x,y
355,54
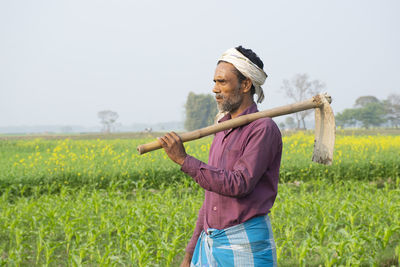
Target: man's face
x,y
227,88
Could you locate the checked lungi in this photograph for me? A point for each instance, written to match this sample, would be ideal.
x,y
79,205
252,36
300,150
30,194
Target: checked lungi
x,y
247,244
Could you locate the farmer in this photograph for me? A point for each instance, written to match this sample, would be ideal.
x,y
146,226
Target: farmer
x,y
241,178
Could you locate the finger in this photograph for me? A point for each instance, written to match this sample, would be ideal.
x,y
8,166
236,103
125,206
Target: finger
x,y
162,141
176,137
170,138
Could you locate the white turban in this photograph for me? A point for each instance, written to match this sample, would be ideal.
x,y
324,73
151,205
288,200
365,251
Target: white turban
x,y
247,68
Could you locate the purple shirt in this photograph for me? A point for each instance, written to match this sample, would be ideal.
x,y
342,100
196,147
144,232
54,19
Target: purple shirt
x,y
241,177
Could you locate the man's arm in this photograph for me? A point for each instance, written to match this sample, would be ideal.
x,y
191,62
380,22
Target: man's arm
x,y
187,260
262,148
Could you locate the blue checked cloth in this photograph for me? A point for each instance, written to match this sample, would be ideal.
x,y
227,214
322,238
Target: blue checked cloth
x,y
247,244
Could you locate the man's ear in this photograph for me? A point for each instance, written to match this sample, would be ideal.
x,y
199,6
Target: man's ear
x,y
246,85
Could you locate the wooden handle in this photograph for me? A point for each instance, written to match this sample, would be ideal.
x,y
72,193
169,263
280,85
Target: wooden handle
x,y
314,102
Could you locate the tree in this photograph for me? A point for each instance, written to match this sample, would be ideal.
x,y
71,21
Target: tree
x,y
201,110
347,117
107,119
290,122
299,89
392,109
372,114
362,101
369,111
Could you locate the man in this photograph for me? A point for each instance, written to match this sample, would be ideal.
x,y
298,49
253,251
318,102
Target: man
x,y
241,177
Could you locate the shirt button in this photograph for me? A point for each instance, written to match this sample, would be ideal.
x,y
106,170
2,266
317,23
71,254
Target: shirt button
x,y
215,208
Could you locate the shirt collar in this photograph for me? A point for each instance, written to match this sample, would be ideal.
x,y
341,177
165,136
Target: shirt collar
x,y
251,109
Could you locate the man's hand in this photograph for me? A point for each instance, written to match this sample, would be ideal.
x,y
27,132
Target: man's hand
x,y
173,146
186,261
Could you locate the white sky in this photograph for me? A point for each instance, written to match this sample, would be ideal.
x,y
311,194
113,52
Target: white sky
x,y
63,61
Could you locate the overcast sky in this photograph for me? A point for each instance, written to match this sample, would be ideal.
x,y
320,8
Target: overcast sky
x,y
63,61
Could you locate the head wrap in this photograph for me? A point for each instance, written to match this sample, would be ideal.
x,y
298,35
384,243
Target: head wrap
x,y
247,68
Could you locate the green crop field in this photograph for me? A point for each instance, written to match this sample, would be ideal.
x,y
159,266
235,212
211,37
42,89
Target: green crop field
x,y
92,202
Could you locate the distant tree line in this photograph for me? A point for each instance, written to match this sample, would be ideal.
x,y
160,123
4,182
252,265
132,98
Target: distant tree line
x,y
369,111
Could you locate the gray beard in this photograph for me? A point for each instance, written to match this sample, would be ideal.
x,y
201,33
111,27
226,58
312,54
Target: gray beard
x,y
230,104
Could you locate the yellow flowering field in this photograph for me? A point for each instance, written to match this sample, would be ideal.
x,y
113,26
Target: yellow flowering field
x,y
101,162
355,157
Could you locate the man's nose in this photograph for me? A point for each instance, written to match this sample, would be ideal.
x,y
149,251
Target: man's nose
x,y
216,89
